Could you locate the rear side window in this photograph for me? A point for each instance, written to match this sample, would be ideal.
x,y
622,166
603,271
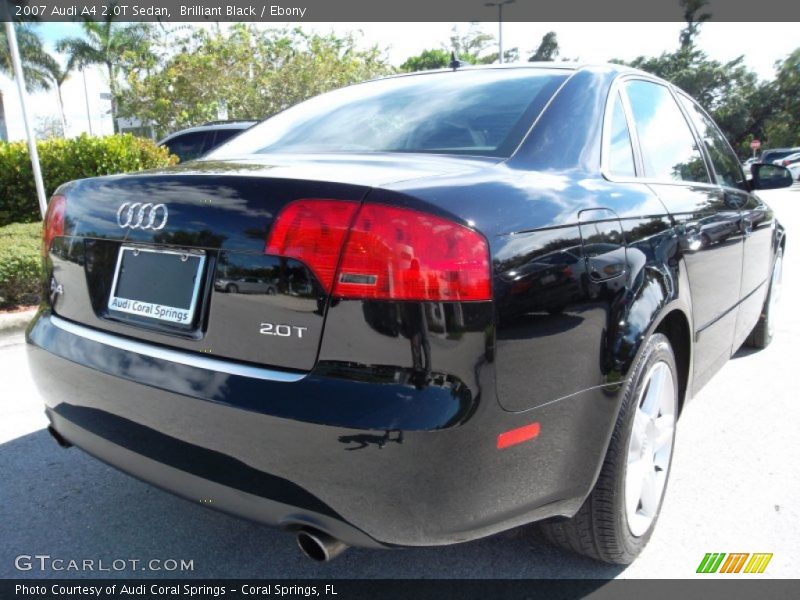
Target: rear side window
x,y
669,151
722,157
188,146
223,135
620,150
483,113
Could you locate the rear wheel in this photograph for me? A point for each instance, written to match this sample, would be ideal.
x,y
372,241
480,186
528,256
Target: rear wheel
x,y
618,518
762,333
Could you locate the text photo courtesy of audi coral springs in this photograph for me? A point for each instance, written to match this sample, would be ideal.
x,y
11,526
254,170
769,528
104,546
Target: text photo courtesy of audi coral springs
x,y
362,304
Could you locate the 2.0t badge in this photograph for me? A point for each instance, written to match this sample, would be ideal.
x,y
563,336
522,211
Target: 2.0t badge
x,y
282,330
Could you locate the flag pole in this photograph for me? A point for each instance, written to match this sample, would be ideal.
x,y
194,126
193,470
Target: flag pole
x,y
11,34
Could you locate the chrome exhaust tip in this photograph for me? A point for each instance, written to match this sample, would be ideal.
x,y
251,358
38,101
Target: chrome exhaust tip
x,y
319,546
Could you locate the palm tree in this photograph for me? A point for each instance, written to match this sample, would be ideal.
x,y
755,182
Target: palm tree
x,y
32,54
57,75
110,45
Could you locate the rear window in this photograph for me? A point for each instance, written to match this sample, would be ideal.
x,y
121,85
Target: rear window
x,y
484,112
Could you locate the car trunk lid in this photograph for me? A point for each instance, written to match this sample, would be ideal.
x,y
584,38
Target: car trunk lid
x,y
178,257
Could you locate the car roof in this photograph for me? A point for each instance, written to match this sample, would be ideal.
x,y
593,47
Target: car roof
x,y
213,126
771,150
551,65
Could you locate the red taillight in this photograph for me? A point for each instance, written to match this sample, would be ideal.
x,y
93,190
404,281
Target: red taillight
x,y
400,254
53,221
312,231
389,254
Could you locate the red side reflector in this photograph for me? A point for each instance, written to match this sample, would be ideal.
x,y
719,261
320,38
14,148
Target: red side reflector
x,y
517,436
400,254
53,221
312,231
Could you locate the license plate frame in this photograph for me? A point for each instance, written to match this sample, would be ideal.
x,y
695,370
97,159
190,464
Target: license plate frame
x,y
154,311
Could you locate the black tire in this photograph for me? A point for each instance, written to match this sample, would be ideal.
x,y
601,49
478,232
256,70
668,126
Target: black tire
x,y
232,288
762,333
600,528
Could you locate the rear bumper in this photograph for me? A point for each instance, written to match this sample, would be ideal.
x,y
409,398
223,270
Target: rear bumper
x,y
214,438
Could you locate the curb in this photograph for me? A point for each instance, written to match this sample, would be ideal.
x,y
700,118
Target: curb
x,y
17,321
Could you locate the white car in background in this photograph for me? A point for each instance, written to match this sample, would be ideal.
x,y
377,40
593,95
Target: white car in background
x,y
791,162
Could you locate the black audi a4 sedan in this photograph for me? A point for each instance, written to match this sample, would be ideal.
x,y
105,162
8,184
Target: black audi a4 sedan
x,y
491,293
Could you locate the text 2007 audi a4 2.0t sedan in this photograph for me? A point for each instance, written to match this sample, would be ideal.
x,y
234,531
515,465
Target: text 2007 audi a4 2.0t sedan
x,y
490,293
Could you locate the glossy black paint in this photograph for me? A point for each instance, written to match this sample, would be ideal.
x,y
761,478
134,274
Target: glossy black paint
x,y
391,433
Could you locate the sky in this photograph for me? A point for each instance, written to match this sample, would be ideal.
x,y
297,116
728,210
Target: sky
x,y
761,44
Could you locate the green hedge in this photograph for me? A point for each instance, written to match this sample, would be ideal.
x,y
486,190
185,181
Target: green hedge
x,y
20,264
64,160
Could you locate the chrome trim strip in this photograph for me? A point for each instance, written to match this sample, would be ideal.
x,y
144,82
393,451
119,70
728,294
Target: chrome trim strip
x,y
175,356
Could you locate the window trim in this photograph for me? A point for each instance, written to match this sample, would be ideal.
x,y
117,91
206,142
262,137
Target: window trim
x,y
617,86
605,149
717,179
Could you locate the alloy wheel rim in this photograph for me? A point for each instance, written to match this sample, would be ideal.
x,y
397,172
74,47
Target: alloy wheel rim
x,y
650,448
774,293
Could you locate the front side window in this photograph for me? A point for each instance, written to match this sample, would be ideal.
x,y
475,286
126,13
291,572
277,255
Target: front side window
x,y
722,157
620,149
483,113
669,151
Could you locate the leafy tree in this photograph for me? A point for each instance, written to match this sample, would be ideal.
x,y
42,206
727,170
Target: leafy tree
x,y
49,127
55,75
42,71
694,18
730,92
435,58
110,45
548,48
783,125
470,46
254,73
32,55
510,55
470,43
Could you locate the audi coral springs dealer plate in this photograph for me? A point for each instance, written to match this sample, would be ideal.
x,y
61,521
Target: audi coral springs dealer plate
x,y
157,284
416,311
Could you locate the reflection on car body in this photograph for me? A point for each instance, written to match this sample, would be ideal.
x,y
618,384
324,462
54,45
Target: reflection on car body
x,y
246,285
501,285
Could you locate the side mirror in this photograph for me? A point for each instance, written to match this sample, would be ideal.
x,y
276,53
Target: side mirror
x,y
770,177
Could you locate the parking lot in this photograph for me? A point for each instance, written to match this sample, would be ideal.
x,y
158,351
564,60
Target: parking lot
x,y
734,488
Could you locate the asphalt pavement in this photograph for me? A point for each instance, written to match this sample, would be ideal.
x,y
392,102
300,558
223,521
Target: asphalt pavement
x,y
734,488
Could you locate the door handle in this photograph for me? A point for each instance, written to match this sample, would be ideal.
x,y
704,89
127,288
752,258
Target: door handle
x,y
746,225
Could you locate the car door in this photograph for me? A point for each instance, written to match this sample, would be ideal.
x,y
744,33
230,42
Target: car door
x,y
757,222
707,218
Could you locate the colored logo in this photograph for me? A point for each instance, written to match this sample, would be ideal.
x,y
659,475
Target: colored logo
x,y
742,562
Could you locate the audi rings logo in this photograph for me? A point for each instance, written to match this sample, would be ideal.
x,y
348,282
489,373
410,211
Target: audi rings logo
x,y
136,215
